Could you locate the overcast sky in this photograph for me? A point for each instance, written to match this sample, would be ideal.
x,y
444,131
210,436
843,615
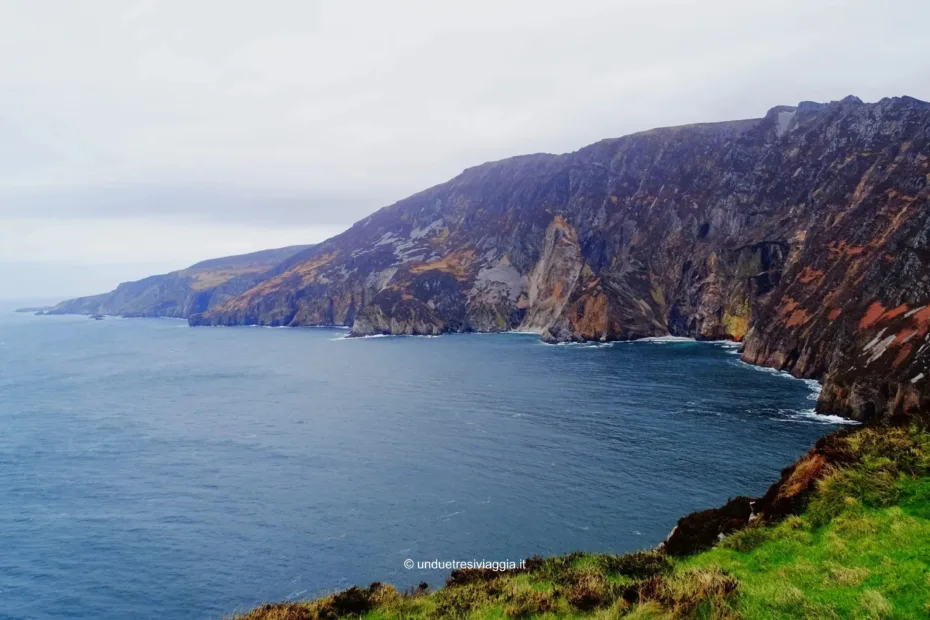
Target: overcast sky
x,y
144,136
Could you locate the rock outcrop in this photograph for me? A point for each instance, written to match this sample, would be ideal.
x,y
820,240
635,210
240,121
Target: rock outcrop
x,y
790,495
180,294
803,234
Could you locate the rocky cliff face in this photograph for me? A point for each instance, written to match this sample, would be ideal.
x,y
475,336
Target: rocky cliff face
x,y
803,234
181,293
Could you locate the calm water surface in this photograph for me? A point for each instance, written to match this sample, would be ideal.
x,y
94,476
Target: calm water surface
x,y
150,470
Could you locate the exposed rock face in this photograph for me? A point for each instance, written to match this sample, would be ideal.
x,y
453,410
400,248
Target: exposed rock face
x,y
699,531
803,233
181,293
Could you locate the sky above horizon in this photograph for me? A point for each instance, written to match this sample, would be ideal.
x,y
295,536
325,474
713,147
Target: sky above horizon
x,y
139,137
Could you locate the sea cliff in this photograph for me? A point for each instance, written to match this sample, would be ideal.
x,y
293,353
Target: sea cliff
x,y
179,294
802,234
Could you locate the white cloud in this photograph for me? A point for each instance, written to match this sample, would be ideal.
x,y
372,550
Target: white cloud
x,y
45,259
292,114
114,240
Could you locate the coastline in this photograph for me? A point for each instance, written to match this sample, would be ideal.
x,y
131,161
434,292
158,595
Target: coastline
x,y
815,384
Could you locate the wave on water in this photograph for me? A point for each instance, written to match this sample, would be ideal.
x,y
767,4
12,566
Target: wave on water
x,y
665,339
810,416
776,372
591,344
815,388
804,415
339,327
369,336
730,346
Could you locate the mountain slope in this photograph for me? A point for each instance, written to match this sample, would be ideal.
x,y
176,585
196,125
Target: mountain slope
x,y
181,293
803,233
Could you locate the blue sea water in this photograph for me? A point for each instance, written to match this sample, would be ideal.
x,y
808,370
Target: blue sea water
x,y
151,470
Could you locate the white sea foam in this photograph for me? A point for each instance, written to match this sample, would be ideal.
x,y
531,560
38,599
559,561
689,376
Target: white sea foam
x,y
810,416
591,344
804,415
666,339
814,387
347,337
770,371
826,419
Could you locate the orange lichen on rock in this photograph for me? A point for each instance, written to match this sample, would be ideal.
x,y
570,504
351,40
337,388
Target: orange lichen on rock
x,y
835,314
877,314
456,263
902,356
798,317
843,247
792,314
894,312
810,274
892,194
787,307
903,336
921,319
592,324
872,315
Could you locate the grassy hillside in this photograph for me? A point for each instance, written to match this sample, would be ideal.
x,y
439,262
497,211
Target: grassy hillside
x,y
859,548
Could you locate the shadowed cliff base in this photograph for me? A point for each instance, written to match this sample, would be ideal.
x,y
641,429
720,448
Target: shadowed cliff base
x,y
844,533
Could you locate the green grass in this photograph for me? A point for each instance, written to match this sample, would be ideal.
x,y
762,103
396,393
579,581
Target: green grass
x,y
861,549
865,563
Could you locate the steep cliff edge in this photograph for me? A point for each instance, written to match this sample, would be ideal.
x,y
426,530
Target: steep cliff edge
x,y
802,233
181,293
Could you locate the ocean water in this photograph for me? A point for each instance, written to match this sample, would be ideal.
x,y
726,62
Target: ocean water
x,y
151,470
